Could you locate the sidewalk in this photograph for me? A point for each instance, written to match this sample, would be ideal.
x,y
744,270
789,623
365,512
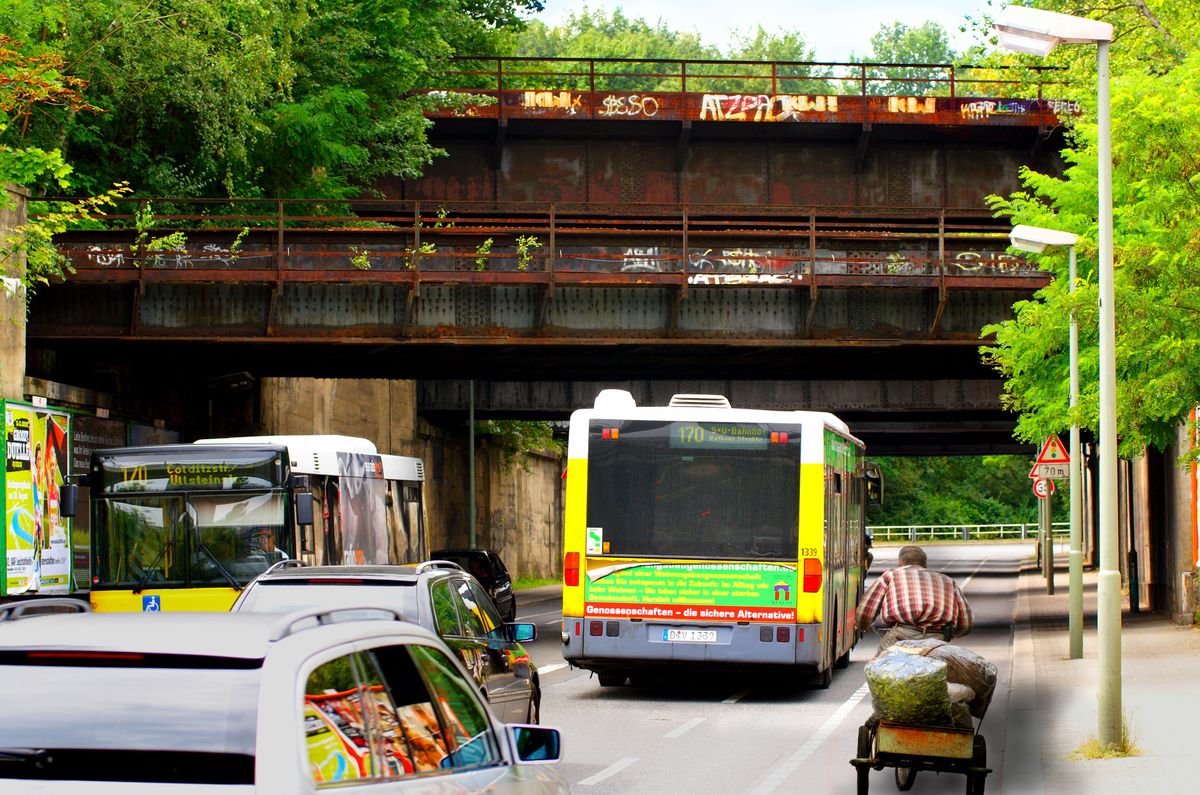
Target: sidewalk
x,y
1053,701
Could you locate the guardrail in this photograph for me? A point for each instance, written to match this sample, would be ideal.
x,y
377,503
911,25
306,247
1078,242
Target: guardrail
x,y
964,532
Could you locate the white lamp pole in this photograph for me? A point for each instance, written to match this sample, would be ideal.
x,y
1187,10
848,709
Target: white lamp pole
x,y
1035,239
1038,32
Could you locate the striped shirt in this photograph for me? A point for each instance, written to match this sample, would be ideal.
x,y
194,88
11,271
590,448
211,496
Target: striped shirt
x,y
917,597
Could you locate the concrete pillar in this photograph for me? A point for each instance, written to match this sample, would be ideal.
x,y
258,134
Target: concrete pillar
x,y
12,297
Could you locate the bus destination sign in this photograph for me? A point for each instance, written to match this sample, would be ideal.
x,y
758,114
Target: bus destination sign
x,y
141,474
724,435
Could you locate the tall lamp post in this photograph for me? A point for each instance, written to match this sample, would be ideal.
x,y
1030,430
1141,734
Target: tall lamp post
x,y
1036,32
1035,239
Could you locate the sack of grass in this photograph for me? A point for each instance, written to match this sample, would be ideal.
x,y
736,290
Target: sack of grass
x,y
909,688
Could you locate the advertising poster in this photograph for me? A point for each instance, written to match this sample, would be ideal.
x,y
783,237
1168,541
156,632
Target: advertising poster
x,y
691,591
363,521
36,536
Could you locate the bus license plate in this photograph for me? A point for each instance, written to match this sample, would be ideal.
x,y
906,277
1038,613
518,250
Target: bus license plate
x,y
690,635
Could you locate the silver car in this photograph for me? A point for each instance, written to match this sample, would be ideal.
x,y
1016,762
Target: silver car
x,y
251,703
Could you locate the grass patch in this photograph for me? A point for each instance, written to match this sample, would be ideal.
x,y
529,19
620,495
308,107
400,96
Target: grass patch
x,y
1094,749
534,582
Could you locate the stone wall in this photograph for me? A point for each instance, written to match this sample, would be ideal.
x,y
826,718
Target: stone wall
x,y
12,299
518,511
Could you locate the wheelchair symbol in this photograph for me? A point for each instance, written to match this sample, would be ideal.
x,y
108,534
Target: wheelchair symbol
x,y
150,604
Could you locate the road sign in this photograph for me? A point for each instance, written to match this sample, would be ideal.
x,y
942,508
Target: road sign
x,y
1053,452
1043,488
1050,472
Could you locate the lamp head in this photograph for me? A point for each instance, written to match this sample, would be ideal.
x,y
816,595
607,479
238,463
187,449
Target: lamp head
x,y
1037,32
1035,239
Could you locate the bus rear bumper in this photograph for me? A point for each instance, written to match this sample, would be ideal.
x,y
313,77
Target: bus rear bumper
x,y
614,644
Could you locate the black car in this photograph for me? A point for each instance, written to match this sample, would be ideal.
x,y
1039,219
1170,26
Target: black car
x,y
489,569
440,597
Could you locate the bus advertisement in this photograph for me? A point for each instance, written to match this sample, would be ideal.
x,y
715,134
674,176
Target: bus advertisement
x,y
714,538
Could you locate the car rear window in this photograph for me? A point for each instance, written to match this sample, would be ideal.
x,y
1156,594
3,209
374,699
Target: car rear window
x,y
123,719
283,596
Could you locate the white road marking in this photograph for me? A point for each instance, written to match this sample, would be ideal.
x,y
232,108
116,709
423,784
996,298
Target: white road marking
x,y
736,697
790,765
611,770
966,582
680,730
547,669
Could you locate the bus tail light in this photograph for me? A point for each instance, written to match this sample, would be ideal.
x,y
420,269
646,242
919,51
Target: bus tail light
x,y
812,575
595,628
783,634
571,569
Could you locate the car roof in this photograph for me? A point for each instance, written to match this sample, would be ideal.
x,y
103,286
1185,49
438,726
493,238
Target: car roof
x,y
379,572
234,635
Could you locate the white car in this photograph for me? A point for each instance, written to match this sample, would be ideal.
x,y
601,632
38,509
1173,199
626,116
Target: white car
x,y
251,703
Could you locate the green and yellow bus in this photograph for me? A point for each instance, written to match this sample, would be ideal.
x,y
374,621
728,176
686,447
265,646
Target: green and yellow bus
x,y
186,526
706,538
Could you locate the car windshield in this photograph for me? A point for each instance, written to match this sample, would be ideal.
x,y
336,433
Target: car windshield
x,y
281,596
115,721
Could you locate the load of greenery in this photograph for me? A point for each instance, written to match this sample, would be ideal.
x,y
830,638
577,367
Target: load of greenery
x,y
1155,103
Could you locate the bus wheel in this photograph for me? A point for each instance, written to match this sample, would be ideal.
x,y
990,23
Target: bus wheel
x,y
611,680
843,661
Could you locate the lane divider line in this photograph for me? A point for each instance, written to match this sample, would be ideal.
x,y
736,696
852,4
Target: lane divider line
x,y
736,697
683,729
967,581
547,669
611,770
790,765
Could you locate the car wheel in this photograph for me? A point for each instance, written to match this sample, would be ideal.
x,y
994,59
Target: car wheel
x,y
535,705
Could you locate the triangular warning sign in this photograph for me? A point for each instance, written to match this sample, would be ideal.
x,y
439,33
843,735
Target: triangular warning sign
x,y
1053,452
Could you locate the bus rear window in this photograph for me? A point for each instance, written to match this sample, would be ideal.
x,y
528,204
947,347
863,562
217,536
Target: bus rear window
x,y
695,490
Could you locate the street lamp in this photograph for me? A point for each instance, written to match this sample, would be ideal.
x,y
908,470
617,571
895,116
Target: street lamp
x,y
1036,239
1038,32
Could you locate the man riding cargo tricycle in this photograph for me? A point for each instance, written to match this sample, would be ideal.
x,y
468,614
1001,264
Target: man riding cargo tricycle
x,y
925,691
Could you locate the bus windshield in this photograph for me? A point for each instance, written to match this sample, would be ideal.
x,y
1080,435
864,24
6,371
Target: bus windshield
x,y
694,490
188,539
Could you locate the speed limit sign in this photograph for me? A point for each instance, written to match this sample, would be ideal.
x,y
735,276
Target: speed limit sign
x,y
1043,488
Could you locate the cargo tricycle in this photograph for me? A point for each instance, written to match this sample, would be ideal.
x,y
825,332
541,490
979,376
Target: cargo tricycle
x,y
911,749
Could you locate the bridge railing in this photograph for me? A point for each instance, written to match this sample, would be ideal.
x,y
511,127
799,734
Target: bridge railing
x,y
964,532
736,90
707,244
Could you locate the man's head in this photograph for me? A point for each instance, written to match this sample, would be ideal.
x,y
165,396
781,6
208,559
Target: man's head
x,y
913,556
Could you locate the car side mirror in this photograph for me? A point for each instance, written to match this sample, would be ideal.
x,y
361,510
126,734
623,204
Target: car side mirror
x,y
536,743
522,633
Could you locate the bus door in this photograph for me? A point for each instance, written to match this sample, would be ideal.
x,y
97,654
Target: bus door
x,y
405,522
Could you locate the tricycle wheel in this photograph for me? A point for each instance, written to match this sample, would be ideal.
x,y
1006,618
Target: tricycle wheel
x,y
866,741
976,781
905,778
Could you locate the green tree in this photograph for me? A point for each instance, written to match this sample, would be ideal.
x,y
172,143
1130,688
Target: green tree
x,y
259,97
596,34
898,43
955,490
1156,152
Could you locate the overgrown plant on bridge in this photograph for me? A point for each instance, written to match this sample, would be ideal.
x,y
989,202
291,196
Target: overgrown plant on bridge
x,y
519,439
1156,202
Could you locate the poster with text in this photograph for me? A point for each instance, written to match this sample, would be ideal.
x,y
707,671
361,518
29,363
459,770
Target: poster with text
x,y
36,535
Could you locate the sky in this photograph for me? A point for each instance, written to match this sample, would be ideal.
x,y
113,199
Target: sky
x,y
833,28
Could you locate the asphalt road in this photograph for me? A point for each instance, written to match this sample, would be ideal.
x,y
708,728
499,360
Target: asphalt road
x,y
754,734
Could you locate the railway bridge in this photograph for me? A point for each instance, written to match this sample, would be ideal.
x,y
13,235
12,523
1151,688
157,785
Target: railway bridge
x,y
790,234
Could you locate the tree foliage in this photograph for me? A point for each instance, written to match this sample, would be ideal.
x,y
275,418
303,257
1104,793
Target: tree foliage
x,y
955,490
597,34
291,98
1156,216
898,43
518,439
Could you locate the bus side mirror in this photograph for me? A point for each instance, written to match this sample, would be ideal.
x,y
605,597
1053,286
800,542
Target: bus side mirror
x,y
68,500
304,509
874,481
